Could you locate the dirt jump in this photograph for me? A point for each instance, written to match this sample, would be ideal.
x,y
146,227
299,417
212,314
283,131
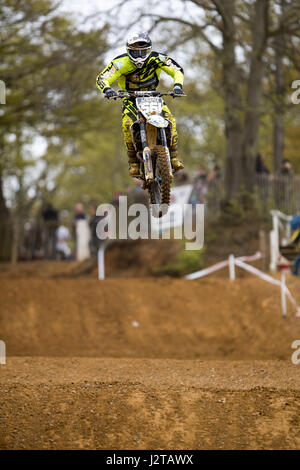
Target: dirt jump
x,y
146,363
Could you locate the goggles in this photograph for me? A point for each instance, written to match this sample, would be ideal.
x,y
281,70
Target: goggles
x,y
137,53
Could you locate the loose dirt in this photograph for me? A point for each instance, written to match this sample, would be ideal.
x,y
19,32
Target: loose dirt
x,y
155,318
147,364
92,403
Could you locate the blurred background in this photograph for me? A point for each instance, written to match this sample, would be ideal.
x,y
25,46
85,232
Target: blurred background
x,y
61,146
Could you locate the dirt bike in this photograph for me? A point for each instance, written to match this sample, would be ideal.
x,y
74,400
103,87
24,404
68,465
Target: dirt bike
x,y
151,135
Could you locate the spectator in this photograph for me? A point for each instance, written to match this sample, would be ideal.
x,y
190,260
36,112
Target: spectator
x,y
286,168
214,186
181,178
115,200
81,232
137,195
296,265
93,221
260,166
215,174
62,236
295,242
50,217
79,212
200,186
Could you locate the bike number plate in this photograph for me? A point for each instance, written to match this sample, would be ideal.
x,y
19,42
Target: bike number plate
x,y
149,105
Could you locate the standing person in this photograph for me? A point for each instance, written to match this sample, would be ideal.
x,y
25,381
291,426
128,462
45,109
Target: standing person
x,y
93,221
139,69
286,168
181,179
295,241
214,175
200,185
62,236
296,264
260,166
214,188
50,218
82,235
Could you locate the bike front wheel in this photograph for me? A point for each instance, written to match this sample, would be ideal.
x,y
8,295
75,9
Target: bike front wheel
x,y
160,188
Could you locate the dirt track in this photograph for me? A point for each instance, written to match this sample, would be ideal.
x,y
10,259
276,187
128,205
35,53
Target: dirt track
x,y
160,364
207,319
152,404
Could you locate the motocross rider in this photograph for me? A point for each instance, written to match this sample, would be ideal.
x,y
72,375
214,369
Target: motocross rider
x,y
139,70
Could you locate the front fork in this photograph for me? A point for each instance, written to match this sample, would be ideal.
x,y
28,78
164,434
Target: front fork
x,y
147,152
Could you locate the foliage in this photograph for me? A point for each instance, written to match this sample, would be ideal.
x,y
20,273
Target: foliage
x,y
186,261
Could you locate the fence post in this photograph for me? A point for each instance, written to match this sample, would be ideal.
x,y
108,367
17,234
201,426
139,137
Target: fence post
x,y
283,296
2,352
231,267
274,243
101,262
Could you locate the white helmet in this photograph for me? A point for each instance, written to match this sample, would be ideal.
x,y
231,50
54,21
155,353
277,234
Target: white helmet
x,y
139,47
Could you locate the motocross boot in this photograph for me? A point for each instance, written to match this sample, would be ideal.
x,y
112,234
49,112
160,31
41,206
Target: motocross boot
x,y
176,164
133,161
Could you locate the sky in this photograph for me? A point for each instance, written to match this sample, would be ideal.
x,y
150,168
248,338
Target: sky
x,y
125,20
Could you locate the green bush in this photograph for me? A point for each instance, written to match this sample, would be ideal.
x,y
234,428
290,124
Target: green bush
x,y
186,261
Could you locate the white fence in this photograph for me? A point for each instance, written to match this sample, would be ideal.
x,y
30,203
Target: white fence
x,y
273,191
232,262
279,235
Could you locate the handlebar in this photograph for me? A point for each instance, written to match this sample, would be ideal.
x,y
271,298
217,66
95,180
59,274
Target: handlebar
x,y
138,94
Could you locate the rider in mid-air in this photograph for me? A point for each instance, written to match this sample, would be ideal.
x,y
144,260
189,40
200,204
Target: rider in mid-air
x,y
139,70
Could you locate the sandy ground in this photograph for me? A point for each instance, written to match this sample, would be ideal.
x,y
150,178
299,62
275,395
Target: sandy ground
x,y
155,318
89,403
147,364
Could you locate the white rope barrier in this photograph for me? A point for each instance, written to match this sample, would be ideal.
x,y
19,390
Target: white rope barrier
x,y
240,262
220,265
255,257
206,271
284,290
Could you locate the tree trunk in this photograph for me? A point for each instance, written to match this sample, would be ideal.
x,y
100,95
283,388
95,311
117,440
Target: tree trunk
x,y
278,118
254,93
233,105
15,240
5,228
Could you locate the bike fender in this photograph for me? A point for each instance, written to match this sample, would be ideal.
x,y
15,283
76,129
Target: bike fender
x,y
157,121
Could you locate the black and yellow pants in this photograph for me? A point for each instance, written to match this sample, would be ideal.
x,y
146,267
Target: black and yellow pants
x,y
130,115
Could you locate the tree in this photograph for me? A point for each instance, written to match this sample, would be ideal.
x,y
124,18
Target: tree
x,y
244,30
46,65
